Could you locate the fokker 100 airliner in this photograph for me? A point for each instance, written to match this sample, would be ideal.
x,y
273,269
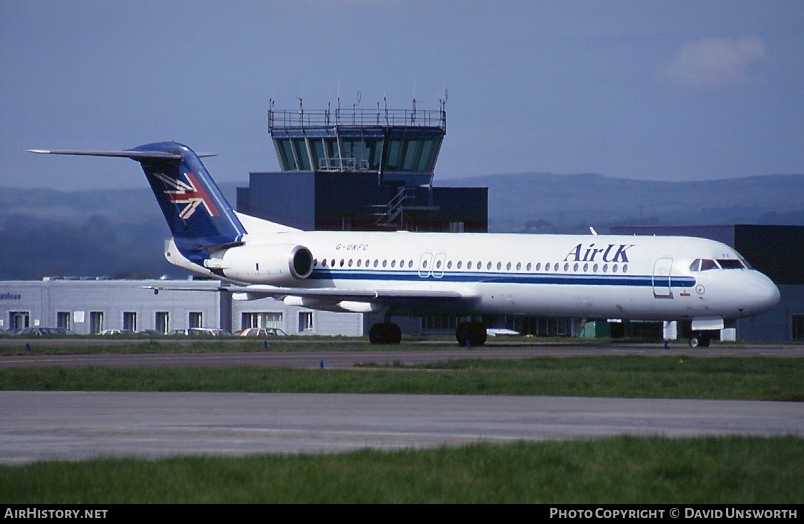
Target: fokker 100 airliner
x,y
461,274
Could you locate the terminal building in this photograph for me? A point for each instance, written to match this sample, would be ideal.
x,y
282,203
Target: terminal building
x,y
371,170
97,305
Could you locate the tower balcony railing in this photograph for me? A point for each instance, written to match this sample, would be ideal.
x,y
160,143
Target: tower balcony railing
x,y
354,117
342,164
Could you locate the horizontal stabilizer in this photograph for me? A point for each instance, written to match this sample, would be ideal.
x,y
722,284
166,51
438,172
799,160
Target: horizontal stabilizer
x,y
134,155
125,153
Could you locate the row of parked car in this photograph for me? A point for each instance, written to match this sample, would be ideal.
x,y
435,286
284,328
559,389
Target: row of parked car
x,y
37,331
211,332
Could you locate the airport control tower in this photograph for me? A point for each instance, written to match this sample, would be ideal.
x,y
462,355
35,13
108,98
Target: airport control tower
x,y
362,170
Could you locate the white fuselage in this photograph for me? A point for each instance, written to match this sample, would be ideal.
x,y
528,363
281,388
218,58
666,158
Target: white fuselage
x,y
589,276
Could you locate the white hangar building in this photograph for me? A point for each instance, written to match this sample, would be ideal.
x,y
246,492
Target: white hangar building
x,y
92,305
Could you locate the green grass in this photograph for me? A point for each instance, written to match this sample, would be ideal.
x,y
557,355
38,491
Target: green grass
x,y
50,345
745,378
618,470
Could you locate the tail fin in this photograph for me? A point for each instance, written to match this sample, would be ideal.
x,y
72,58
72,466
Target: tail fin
x,y
199,217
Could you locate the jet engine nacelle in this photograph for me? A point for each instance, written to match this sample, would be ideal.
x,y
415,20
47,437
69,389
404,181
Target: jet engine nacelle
x,y
276,264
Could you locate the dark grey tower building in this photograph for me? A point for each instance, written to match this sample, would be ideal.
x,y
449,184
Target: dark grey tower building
x,y
361,169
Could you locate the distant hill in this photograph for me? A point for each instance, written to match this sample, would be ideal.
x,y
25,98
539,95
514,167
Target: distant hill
x,y
120,233
543,202
119,205
115,233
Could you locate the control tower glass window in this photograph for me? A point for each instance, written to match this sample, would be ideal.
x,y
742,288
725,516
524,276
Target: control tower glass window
x,y
413,155
302,158
413,151
363,153
399,145
286,156
375,153
426,160
330,155
354,154
394,155
293,154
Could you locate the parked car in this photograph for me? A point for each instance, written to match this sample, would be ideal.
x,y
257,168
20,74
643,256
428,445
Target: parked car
x,y
150,332
208,332
261,332
116,332
39,331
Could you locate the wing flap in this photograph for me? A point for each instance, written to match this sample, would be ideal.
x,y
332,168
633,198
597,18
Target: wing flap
x,y
380,296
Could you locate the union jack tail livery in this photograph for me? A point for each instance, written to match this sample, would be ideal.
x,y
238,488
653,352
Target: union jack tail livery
x,y
199,217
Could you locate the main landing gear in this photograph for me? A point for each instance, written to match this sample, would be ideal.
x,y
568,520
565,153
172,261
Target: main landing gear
x,y
471,334
385,333
468,334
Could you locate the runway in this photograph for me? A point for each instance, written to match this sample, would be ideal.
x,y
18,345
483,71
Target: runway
x,y
81,425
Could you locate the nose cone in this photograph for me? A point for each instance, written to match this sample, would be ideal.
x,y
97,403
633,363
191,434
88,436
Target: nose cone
x,y
761,294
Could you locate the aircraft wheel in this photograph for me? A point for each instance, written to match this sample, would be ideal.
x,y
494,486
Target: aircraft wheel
x,y
478,333
376,334
699,340
463,333
385,333
394,333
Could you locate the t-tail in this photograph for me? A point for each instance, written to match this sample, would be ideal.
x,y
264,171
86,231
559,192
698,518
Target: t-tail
x,y
198,215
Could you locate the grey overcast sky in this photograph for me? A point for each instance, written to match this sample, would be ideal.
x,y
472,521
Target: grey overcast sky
x,y
641,89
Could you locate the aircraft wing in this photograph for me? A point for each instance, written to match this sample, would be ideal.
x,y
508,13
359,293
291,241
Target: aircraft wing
x,y
354,300
334,295
376,296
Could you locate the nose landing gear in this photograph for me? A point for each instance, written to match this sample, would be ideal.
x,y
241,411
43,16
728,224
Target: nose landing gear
x,y
699,339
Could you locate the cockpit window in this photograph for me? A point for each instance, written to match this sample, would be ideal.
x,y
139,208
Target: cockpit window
x,y
728,263
703,264
707,264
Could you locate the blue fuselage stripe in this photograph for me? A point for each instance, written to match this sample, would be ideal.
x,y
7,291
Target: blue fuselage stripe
x,y
503,278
